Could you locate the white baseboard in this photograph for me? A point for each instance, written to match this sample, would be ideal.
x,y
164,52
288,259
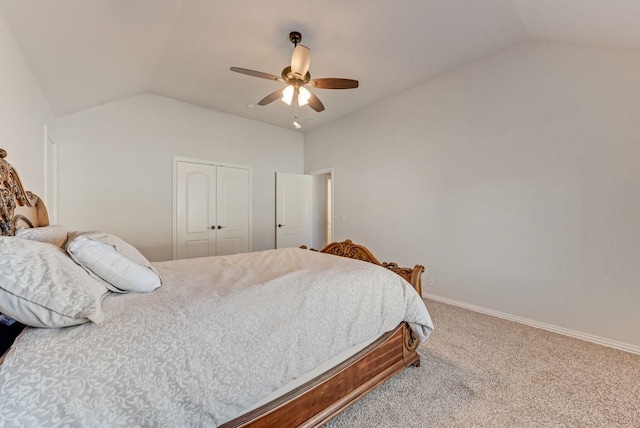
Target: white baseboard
x,y
571,333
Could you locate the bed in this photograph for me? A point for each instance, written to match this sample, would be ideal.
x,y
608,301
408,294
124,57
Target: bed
x,y
286,337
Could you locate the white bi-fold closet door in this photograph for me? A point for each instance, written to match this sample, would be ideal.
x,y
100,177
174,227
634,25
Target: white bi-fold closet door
x,y
212,204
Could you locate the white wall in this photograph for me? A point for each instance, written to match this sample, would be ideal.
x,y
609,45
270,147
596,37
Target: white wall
x,y
24,111
116,160
515,180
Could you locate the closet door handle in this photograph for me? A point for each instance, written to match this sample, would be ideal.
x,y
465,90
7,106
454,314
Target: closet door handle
x,y
221,227
280,225
212,228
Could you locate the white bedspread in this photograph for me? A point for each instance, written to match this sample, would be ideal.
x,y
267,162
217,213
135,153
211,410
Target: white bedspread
x,y
220,334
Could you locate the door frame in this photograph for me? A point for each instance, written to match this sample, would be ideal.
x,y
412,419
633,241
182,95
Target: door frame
x,y
328,171
50,194
174,204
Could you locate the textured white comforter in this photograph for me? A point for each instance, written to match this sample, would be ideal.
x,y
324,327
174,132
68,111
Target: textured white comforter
x,y
220,334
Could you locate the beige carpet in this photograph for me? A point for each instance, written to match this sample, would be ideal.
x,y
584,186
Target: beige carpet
x,y
481,371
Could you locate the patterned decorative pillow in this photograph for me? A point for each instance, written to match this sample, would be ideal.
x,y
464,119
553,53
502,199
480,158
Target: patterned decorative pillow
x,y
41,286
120,265
53,234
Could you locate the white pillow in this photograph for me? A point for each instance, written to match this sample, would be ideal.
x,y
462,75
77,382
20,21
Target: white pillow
x,y
52,234
114,261
41,286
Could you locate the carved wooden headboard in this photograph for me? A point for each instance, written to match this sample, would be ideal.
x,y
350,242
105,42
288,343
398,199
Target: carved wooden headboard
x,y
18,208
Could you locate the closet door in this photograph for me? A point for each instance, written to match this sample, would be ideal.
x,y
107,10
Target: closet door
x,y
232,210
212,204
195,210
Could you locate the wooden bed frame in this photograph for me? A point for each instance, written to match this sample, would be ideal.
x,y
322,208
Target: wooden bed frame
x,y
18,208
311,404
324,397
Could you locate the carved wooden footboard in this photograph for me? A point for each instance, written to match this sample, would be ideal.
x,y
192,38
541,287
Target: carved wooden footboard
x,y
360,252
322,398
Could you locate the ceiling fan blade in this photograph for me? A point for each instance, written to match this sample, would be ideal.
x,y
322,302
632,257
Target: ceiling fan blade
x,y
334,83
256,73
271,97
300,60
315,103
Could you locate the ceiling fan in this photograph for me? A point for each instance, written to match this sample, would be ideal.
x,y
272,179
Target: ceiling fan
x,y
296,76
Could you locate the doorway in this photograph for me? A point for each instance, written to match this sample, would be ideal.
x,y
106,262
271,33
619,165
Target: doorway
x,y
304,209
322,207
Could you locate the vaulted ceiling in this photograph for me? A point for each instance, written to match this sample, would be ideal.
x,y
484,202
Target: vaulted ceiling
x,y
88,52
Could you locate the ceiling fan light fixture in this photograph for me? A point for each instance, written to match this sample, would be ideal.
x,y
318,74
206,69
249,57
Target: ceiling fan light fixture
x,y
300,60
287,94
303,96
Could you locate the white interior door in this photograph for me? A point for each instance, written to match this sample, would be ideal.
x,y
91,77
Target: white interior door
x,y
293,210
232,210
196,210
